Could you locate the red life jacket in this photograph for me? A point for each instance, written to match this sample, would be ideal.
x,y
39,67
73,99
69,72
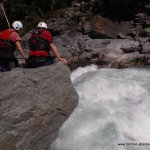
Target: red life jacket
x,y
38,45
5,41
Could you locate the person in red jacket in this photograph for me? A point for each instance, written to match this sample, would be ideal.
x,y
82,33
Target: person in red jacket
x,y
9,41
40,45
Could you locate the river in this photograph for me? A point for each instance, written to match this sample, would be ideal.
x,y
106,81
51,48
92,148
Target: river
x,y
113,111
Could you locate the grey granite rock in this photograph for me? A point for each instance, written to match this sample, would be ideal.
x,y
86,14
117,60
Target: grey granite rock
x,y
34,103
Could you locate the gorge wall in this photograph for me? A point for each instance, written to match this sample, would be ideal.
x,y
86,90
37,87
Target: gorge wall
x,y
89,32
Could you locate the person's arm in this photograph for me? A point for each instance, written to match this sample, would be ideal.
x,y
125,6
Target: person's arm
x,y
19,47
55,51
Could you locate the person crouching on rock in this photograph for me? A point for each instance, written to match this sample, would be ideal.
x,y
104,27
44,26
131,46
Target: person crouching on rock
x,y
40,44
9,41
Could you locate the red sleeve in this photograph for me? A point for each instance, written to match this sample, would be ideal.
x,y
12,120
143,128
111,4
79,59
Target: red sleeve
x,y
15,37
47,36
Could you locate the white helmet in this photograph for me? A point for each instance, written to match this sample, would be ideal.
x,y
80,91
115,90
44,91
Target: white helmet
x,y
42,25
17,25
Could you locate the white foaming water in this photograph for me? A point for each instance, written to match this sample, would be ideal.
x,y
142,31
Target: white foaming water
x,y
113,109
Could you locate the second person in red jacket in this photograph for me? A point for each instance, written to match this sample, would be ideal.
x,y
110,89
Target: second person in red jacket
x,y
40,44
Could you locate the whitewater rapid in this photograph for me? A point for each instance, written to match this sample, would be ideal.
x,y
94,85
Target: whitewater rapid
x,y
113,111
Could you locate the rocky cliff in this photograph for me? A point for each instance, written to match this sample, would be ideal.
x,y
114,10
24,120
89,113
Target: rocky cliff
x,y
34,103
82,22
82,49
108,33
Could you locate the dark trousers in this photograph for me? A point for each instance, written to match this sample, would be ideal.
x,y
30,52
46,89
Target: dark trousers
x,y
7,64
34,62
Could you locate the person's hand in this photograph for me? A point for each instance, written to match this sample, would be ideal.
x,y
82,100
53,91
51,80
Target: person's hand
x,y
26,61
63,60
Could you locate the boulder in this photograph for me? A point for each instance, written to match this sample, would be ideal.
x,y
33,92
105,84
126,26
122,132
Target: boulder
x,y
34,103
146,48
